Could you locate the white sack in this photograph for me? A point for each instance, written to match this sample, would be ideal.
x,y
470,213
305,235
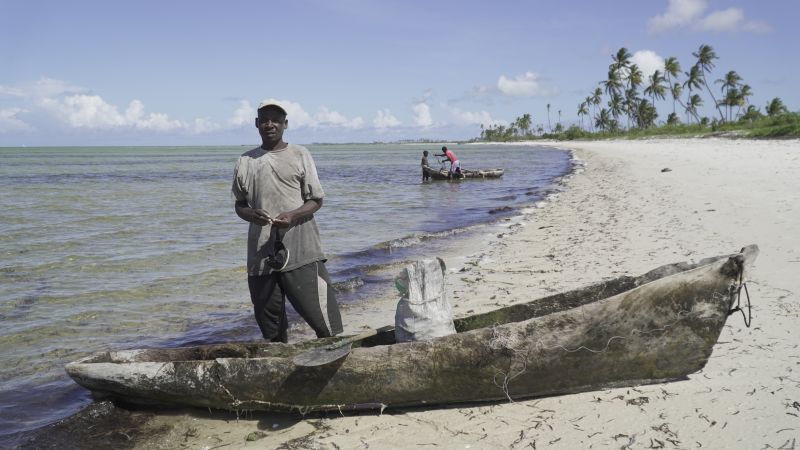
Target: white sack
x,y
423,312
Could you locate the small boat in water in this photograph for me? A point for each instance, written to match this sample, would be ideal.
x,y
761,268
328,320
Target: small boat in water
x,y
443,174
626,331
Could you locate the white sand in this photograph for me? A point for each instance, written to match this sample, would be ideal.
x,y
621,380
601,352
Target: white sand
x,y
621,215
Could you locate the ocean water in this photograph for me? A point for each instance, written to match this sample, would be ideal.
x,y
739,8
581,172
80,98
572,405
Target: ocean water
x,y
122,247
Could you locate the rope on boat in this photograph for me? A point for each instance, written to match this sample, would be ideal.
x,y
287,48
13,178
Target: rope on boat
x,y
748,318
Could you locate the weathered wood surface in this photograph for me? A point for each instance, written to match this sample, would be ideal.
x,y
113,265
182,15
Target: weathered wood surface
x,y
627,331
442,174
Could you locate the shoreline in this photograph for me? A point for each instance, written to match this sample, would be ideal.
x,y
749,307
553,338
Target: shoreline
x,y
620,214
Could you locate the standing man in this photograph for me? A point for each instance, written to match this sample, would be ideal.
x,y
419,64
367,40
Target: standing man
x,y
455,166
424,163
277,190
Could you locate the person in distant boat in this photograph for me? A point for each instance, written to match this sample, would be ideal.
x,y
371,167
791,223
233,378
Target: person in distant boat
x,y
278,191
425,175
455,166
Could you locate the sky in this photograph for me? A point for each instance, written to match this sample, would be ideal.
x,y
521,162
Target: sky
x,y
85,73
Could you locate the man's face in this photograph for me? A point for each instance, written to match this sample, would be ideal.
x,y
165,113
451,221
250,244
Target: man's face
x,y
271,124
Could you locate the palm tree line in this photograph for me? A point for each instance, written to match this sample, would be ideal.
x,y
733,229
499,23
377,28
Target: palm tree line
x,y
626,99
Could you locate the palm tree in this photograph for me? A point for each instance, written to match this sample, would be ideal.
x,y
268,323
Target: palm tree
x,y
548,118
615,105
589,102
597,97
731,81
751,114
745,92
695,101
621,58
646,114
582,111
693,81
634,77
655,89
705,60
672,119
523,123
613,82
676,91
602,121
630,104
776,107
672,68
732,98
559,118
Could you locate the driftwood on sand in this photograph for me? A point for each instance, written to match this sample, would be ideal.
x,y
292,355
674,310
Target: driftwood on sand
x,y
630,330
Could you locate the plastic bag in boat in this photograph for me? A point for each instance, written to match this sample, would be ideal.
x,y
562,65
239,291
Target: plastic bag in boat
x,y
423,311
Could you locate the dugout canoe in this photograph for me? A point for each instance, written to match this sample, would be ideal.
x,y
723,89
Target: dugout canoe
x,y
627,331
442,174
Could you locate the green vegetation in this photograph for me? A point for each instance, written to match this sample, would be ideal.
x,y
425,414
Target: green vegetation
x,y
630,111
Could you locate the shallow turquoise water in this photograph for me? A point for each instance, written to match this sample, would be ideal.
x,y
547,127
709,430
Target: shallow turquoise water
x,y
119,247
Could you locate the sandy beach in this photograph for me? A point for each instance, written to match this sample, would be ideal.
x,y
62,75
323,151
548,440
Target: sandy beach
x,y
620,214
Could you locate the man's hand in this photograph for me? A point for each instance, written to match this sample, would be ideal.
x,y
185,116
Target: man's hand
x,y
283,220
260,217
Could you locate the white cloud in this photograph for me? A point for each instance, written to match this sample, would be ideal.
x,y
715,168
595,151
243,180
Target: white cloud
x,y
158,122
77,107
298,117
648,61
295,114
91,111
689,13
725,20
84,111
731,19
244,115
385,119
475,118
204,126
9,122
422,115
481,91
679,13
526,85
325,117
41,88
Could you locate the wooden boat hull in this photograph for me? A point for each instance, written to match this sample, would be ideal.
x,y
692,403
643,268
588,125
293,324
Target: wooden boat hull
x,y
627,331
441,174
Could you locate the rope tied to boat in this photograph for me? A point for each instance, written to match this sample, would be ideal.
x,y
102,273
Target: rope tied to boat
x,y
740,284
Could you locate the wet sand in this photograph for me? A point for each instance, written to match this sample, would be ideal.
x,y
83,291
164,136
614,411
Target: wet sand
x,y
621,214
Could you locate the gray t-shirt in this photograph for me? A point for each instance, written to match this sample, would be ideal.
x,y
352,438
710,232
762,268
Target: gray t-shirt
x,y
279,181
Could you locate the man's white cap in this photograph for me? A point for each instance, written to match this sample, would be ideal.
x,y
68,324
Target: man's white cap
x,y
273,103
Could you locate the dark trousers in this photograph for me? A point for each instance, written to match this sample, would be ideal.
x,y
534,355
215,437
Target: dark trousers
x,y
308,289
